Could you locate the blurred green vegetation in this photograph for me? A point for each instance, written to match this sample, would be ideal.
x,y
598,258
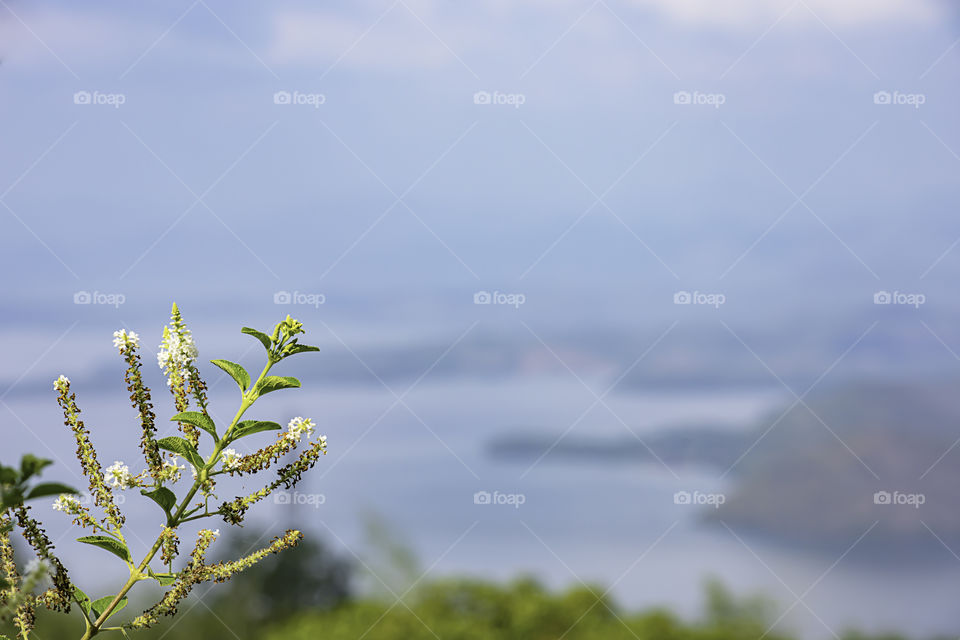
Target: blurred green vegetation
x,y
309,592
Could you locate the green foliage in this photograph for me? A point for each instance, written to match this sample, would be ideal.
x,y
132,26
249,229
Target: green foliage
x,y
275,383
99,606
250,427
108,543
163,497
238,373
198,419
306,595
182,447
458,609
16,486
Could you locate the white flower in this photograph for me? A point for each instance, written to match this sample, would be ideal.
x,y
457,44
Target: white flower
x,y
118,474
323,443
171,471
300,426
61,383
175,352
231,459
122,337
66,503
38,567
215,532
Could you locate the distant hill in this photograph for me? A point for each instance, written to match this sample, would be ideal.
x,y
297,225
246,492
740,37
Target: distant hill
x,y
812,479
813,470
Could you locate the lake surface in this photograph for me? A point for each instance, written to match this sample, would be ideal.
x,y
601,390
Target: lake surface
x,y
418,462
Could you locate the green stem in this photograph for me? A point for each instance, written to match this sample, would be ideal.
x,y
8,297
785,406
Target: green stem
x,y
137,574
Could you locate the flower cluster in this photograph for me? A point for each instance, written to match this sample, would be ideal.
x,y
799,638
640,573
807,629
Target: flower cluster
x,y
38,567
231,459
69,504
128,343
66,503
177,358
99,489
118,475
57,597
297,427
288,476
122,339
171,471
223,571
177,351
286,442
190,576
169,546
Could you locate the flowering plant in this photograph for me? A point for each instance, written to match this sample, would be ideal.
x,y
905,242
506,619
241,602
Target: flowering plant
x,y
166,460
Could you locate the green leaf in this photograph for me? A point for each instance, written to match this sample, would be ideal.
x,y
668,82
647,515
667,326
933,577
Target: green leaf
x,y
8,475
236,372
112,545
273,383
300,348
197,419
12,497
180,446
100,605
49,489
165,579
163,497
249,427
31,465
259,335
82,599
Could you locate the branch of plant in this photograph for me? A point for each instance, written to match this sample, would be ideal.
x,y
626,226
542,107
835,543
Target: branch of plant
x,y
180,516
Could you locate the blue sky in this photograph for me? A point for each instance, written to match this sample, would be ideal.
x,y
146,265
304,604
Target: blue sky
x,y
399,196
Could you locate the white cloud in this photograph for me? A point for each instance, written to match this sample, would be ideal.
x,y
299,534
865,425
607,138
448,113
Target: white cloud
x,y
307,37
499,29
754,13
71,36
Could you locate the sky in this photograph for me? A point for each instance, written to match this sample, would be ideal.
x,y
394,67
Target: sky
x,y
393,159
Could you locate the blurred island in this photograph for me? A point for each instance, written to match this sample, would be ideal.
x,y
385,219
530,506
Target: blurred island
x,y
876,460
